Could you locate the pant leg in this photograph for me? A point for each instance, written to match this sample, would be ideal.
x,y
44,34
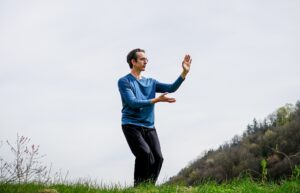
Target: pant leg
x,y
144,158
154,145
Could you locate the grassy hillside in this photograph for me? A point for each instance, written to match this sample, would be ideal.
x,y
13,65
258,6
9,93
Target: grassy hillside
x,y
268,150
236,186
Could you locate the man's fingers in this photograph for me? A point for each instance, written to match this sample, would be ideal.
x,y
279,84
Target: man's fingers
x,y
171,100
187,58
164,98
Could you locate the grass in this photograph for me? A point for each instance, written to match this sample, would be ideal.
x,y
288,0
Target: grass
x,y
237,186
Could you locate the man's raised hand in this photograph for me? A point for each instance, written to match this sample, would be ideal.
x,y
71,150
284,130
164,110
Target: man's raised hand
x,y
186,63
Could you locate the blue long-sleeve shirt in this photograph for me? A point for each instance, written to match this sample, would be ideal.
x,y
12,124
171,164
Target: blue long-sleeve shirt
x,y
136,98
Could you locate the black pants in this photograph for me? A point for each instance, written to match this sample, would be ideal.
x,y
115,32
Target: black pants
x,y
144,144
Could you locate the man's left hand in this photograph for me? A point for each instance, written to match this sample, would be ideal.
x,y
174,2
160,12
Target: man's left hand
x,y
186,63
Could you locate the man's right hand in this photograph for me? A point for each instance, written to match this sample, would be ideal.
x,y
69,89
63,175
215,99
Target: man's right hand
x,y
163,98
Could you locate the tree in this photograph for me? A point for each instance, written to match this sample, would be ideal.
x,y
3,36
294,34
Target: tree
x,y
283,114
26,165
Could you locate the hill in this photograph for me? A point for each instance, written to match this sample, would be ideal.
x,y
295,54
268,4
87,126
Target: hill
x,y
267,150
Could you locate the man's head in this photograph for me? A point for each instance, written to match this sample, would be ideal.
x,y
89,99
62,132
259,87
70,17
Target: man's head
x,y
137,59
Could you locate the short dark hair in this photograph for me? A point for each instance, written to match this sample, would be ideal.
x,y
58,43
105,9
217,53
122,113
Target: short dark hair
x,y
132,55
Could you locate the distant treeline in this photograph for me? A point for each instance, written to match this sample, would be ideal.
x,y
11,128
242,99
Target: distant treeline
x,y
276,140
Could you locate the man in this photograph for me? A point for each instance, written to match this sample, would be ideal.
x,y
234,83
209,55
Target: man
x,y
138,99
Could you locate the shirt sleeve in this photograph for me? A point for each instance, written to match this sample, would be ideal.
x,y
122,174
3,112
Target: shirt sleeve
x,y
163,87
128,96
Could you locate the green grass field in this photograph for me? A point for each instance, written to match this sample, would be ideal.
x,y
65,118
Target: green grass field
x,y
238,186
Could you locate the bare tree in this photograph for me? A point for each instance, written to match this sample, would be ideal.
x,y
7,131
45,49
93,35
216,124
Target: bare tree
x,y
3,167
26,165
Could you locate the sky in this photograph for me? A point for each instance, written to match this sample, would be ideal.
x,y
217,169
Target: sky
x,y
60,61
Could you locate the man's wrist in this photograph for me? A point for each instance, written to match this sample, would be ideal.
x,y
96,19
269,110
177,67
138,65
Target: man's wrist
x,y
154,100
184,73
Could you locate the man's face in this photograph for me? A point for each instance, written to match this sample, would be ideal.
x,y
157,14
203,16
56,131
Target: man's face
x,y
140,63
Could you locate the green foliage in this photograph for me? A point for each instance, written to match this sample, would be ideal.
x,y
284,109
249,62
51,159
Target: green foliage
x,y
296,172
283,114
264,170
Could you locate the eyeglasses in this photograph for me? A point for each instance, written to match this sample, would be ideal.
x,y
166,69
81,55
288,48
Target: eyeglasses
x,y
143,59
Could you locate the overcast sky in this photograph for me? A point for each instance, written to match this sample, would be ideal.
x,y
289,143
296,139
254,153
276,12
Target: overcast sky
x,y
60,62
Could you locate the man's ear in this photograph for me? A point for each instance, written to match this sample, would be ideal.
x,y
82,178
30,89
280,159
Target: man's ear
x,y
133,61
